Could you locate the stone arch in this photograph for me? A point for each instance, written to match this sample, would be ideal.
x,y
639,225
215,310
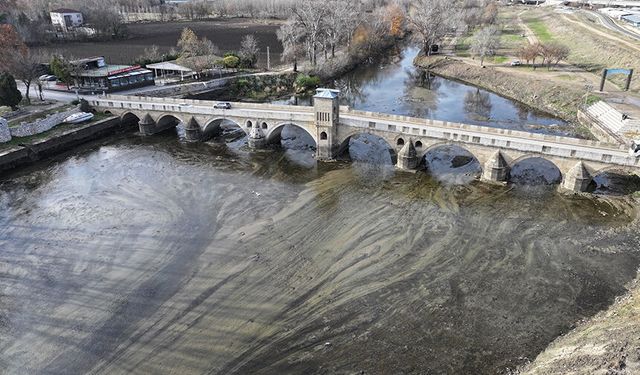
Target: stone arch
x,y
213,127
615,179
323,136
273,133
264,126
552,174
418,145
344,145
399,141
166,120
451,163
617,168
128,118
248,124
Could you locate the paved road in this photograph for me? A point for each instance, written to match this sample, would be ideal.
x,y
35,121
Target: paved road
x,y
612,25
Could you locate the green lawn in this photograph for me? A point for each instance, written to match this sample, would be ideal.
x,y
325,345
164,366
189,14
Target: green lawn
x,y
540,29
498,59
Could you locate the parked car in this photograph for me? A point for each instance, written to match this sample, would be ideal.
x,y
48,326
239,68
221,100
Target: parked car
x,y
634,150
222,105
516,63
47,77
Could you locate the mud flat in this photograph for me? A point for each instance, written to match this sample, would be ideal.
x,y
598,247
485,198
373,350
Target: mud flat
x,y
147,255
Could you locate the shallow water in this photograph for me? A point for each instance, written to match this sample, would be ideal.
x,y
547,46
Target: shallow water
x,y
148,255
394,85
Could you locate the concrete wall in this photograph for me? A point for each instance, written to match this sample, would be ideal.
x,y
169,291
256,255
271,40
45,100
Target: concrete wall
x,y
19,156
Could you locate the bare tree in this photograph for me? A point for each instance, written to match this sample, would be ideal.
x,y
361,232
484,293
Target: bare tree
x,y
310,16
28,69
249,50
289,35
431,20
485,43
529,53
553,53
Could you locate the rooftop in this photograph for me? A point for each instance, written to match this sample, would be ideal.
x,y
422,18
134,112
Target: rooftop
x,y
327,93
65,10
110,70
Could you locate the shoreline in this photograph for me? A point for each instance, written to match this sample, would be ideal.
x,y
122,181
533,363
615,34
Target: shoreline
x,y
538,94
22,155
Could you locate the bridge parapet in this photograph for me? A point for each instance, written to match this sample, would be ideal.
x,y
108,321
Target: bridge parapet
x,y
471,135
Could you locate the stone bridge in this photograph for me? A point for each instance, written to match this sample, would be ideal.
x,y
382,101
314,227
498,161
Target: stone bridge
x,y
331,126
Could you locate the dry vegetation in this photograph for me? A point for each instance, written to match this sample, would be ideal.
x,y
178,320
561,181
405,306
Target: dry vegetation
x,y
594,51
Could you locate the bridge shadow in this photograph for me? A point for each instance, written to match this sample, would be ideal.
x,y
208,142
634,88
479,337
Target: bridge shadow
x,y
614,182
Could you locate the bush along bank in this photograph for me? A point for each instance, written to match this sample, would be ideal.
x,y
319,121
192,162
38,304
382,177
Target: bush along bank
x,y
561,100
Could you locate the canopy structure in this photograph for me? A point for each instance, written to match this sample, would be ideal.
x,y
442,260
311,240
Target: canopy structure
x,y
170,68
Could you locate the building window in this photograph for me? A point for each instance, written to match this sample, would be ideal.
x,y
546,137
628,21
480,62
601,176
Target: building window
x,y
400,142
323,136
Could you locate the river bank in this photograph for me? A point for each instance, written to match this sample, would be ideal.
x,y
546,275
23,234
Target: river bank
x,y
608,343
559,99
58,140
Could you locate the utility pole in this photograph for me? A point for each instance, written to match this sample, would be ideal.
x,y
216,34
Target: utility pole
x,y
268,59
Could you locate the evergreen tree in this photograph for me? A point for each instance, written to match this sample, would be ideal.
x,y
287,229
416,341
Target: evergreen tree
x,y
10,96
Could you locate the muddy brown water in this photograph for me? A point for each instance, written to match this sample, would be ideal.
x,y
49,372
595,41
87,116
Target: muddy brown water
x,y
149,255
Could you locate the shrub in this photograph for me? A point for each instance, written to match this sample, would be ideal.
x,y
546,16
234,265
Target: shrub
x,y
307,82
231,62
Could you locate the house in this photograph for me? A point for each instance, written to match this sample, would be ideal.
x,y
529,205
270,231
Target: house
x,y
633,19
95,74
65,19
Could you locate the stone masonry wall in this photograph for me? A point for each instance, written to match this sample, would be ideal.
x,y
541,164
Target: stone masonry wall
x,y
40,126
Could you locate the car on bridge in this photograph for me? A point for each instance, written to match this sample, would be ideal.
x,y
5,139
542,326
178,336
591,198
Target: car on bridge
x,y
634,150
222,105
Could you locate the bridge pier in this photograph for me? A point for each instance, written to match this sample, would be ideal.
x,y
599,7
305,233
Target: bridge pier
x,y
147,126
577,179
496,168
256,138
192,131
407,157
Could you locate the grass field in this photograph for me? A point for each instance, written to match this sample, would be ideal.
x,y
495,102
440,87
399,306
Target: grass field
x,y
540,29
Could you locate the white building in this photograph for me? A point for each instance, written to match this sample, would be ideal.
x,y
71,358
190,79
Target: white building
x,y
65,19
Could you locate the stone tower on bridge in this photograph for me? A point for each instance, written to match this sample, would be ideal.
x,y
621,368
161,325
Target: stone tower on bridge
x,y
326,103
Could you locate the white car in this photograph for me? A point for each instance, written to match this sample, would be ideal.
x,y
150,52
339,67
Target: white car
x,y
516,63
222,105
634,150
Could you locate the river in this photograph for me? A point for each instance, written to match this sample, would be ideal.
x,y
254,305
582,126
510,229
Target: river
x,y
151,255
394,85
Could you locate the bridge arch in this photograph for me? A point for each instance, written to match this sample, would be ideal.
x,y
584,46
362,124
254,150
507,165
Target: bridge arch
x,y
451,163
128,117
534,169
344,145
274,133
214,127
616,180
167,119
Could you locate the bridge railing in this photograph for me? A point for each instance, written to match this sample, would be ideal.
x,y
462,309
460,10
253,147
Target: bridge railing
x,y
382,118
564,147
201,103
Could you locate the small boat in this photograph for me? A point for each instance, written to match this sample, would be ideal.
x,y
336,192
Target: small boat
x,y
77,118
634,150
